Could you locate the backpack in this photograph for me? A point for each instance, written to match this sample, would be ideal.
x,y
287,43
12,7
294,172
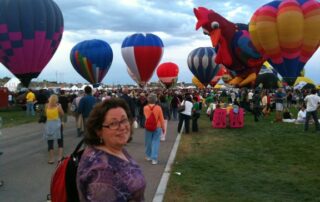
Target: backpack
x,y
151,121
63,187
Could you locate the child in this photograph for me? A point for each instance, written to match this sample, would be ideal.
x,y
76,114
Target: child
x,y
287,114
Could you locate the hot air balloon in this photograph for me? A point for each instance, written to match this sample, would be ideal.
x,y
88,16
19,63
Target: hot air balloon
x,y
197,83
92,60
168,73
218,76
142,53
303,83
287,33
201,63
267,77
31,31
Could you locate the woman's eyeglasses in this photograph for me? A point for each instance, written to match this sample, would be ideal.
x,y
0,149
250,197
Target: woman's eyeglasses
x,y
116,124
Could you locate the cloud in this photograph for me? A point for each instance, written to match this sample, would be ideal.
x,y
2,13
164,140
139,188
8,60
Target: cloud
x,y
122,16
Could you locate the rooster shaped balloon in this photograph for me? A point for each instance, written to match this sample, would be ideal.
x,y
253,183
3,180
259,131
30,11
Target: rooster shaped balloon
x,y
235,49
287,33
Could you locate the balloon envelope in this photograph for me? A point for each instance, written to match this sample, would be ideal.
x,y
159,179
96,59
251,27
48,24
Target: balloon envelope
x,y
92,59
201,63
197,83
303,83
142,53
287,33
168,73
134,78
31,31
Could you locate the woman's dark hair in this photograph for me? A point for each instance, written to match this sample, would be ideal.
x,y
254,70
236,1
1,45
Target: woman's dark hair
x,y
97,115
188,98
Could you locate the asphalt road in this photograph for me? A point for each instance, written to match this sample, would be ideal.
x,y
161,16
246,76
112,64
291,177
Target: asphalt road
x,y
27,175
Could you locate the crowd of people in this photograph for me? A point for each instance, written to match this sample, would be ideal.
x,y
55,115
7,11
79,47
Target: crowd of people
x,y
259,102
105,120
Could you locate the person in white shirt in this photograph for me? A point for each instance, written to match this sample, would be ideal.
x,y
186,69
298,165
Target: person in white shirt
x,y
312,102
250,95
301,118
185,115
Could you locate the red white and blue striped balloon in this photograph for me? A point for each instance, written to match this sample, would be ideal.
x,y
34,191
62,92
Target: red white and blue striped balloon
x,y
202,65
142,53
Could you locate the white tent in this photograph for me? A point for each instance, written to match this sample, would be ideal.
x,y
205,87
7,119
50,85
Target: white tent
x,y
12,84
74,88
83,86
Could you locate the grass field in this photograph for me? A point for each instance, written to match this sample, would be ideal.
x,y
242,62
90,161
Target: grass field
x,y
15,116
264,161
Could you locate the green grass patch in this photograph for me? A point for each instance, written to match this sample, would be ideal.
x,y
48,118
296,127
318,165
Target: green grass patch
x,y
15,116
264,161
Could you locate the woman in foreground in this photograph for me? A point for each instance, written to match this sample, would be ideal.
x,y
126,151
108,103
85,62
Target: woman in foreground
x,y
106,171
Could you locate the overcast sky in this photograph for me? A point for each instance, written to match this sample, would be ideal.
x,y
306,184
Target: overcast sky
x,y
172,20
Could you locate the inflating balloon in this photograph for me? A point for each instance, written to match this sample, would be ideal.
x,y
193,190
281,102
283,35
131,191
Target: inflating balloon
x,y
92,60
197,83
303,83
142,53
218,76
267,77
201,62
287,33
234,47
168,73
31,31
133,77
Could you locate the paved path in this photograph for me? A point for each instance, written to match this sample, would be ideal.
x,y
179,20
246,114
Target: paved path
x,y
25,171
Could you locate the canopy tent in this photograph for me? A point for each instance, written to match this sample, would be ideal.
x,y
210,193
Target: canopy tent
x,y
12,84
74,88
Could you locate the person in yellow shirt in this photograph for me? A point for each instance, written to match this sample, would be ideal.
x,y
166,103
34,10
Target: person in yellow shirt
x,y
53,111
31,100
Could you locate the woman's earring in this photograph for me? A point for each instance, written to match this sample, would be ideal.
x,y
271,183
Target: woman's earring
x,y
101,140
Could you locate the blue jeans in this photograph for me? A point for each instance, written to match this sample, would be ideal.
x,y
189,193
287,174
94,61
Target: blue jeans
x,y
152,143
175,113
30,108
314,115
186,119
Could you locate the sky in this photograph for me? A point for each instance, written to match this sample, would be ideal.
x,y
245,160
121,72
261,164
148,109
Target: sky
x,y
113,20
